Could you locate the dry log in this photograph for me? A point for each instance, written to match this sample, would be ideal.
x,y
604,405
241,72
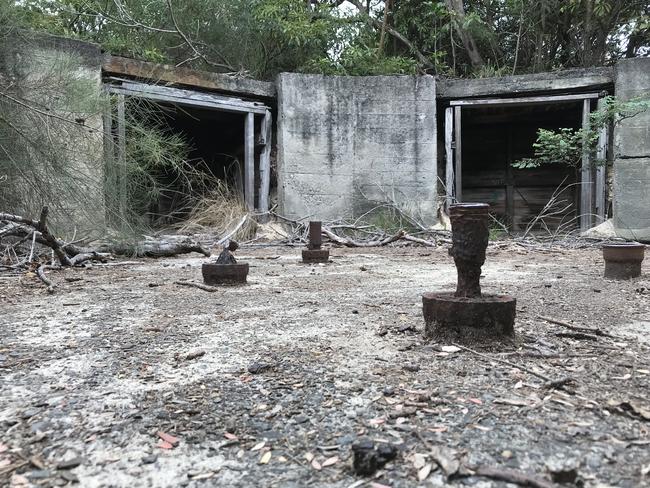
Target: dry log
x,y
153,249
146,248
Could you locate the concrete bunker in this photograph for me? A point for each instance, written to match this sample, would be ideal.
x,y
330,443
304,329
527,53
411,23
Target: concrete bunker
x,y
347,144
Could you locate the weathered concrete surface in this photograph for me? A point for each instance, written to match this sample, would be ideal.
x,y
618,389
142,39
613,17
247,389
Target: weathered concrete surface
x,y
632,154
61,77
566,80
345,144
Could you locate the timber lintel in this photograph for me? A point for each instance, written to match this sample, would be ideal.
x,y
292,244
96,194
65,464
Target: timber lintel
x,y
163,73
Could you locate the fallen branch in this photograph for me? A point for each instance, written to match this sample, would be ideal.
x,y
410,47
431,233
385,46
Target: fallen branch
x,y
352,243
424,242
577,335
41,226
511,476
550,383
153,249
87,256
586,330
233,232
40,272
200,286
508,475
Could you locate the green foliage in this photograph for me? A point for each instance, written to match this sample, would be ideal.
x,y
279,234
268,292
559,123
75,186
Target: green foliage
x,y
49,133
496,232
264,37
566,146
362,61
158,168
562,146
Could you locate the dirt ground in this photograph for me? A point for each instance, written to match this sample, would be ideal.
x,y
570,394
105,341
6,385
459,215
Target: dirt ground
x,y
271,383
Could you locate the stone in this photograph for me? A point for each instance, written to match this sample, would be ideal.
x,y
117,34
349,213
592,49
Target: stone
x,y
150,459
367,459
623,261
219,274
70,463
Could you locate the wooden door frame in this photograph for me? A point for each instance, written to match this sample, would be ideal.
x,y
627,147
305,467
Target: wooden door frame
x,y
193,98
592,193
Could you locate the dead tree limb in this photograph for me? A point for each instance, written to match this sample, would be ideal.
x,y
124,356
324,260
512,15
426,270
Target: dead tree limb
x,y
397,35
586,330
424,242
511,476
40,272
200,286
550,383
352,243
153,248
41,226
233,232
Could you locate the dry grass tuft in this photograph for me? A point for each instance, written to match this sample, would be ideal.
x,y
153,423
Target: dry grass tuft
x,y
218,212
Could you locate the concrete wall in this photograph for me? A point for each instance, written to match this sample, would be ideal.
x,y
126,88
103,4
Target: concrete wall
x,y
347,143
631,193
66,170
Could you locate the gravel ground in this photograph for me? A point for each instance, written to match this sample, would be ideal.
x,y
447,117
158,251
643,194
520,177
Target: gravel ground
x,y
271,383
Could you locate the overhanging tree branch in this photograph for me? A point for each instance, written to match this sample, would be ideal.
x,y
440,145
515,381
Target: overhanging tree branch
x,y
424,61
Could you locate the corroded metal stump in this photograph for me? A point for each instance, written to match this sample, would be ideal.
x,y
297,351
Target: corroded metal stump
x,y
314,253
226,270
623,260
467,313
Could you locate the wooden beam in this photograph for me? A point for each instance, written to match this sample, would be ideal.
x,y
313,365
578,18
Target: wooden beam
x,y
187,97
591,79
601,171
265,165
109,160
510,181
249,161
458,154
449,156
586,183
524,100
121,158
116,65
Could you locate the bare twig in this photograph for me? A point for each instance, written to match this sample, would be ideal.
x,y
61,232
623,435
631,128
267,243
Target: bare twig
x,y
550,383
233,232
200,286
511,476
424,242
352,243
587,330
40,272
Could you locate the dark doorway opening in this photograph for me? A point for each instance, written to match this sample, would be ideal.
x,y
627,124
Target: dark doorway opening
x,y
493,138
222,140
214,145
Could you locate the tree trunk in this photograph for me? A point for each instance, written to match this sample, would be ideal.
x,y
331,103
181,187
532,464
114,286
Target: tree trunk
x,y
458,15
587,47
